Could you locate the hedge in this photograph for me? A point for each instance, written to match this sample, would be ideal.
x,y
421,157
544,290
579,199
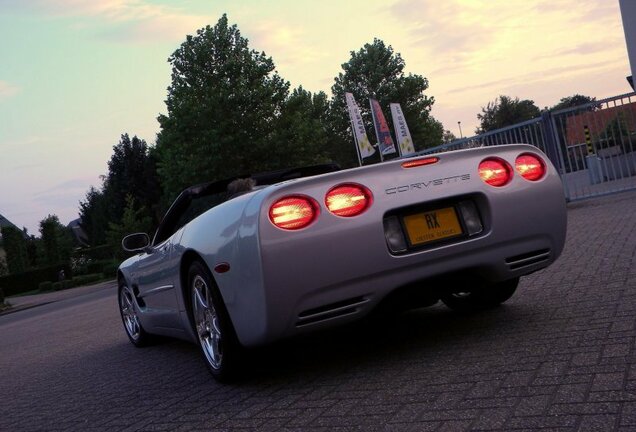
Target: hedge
x,y
45,286
104,252
86,279
110,270
30,280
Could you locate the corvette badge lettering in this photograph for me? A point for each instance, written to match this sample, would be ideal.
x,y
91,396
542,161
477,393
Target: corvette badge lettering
x,y
426,184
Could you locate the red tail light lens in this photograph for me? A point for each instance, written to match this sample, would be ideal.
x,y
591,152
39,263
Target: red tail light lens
x,y
419,162
292,213
348,200
494,171
530,167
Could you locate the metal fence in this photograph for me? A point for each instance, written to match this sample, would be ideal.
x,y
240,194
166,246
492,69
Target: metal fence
x,y
593,146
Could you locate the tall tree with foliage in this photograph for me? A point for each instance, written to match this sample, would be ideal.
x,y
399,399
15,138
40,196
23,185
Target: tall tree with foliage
x,y
15,247
57,243
574,101
377,71
302,128
506,111
131,171
134,220
222,105
4,268
95,215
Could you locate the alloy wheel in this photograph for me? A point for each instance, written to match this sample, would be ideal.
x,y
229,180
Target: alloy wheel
x,y
206,321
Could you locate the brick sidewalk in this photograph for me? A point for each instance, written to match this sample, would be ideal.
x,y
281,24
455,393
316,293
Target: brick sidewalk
x,y
559,356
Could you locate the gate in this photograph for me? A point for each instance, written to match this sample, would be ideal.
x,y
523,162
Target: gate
x,y
593,146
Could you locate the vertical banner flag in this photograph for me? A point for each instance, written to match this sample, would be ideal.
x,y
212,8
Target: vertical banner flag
x,y
402,134
381,128
359,133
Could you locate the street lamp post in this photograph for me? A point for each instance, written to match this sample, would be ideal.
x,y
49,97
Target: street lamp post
x,y
459,123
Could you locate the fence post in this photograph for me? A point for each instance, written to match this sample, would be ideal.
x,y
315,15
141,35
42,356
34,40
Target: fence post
x,y
553,147
551,144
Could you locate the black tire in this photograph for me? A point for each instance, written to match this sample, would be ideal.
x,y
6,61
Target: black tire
x,y
129,311
481,297
212,326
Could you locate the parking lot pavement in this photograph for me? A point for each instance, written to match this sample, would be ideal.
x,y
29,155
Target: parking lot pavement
x,y
559,356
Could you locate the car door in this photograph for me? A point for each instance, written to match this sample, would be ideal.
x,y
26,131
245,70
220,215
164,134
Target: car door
x,y
155,274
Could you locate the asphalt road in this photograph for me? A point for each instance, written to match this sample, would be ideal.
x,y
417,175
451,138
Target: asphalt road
x,y
560,355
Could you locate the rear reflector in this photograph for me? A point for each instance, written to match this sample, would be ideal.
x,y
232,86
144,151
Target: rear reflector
x,y
348,200
419,162
394,234
530,167
494,171
293,212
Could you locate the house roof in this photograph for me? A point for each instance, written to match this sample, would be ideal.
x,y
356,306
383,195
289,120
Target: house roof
x,y
4,222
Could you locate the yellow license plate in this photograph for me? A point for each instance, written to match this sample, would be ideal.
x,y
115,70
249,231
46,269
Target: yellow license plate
x,y
432,226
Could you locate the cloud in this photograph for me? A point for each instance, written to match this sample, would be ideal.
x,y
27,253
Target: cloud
x,y
287,44
579,49
526,79
80,184
473,35
7,90
127,20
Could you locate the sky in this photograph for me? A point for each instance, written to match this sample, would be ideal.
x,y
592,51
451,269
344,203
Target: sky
x,y
76,74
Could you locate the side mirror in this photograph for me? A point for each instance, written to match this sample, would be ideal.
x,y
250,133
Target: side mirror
x,y
135,242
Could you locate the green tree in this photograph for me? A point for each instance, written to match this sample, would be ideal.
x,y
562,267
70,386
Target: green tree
x,y
131,171
95,215
302,129
15,247
506,111
377,71
573,101
132,221
57,242
448,137
222,105
4,269
616,133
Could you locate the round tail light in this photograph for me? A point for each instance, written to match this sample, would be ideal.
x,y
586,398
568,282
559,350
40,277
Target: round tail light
x,y
530,167
494,171
348,200
293,212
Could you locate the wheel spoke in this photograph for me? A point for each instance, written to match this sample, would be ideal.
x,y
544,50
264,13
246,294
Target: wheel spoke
x,y
206,322
129,314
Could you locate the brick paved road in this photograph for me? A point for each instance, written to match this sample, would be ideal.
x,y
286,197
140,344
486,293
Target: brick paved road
x,y
558,356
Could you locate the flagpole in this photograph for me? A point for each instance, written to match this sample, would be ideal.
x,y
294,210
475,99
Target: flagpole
x,y
379,150
377,135
355,139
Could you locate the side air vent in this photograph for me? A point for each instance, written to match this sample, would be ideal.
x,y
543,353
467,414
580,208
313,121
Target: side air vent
x,y
528,259
333,310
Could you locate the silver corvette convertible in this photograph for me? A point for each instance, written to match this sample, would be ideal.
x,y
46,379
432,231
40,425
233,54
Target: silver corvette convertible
x,y
243,262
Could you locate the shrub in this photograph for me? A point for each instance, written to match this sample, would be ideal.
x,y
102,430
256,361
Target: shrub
x,y
94,267
87,279
97,266
81,270
1,296
96,253
45,286
57,286
29,281
110,270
